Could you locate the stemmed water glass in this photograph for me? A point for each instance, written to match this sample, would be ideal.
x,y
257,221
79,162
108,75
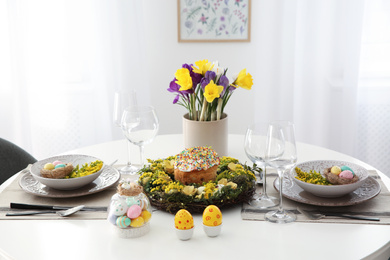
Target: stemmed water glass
x,y
122,100
140,126
281,153
255,144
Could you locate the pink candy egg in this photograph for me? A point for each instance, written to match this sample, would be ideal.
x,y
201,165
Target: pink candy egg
x,y
57,162
134,211
347,174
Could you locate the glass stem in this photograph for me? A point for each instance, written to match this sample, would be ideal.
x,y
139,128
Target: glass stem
x,y
281,173
128,154
265,182
141,154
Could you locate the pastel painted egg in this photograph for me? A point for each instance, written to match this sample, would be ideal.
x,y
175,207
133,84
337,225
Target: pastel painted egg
x,y
346,168
118,208
347,174
146,215
130,201
59,166
57,162
134,211
335,170
184,220
123,222
48,166
112,218
144,204
137,222
212,216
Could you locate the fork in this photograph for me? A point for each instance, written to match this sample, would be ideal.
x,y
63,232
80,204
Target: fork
x,y
316,216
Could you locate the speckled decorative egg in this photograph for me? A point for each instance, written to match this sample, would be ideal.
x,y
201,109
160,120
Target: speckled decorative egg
x,y
137,222
134,211
184,220
212,216
130,201
118,207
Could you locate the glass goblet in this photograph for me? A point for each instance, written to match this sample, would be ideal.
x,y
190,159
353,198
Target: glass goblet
x,y
281,153
255,144
122,100
140,126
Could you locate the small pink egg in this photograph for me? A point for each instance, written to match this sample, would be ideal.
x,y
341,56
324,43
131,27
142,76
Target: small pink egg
x,y
57,162
347,174
134,211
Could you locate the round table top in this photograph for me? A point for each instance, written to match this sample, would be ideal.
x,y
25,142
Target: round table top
x,y
94,239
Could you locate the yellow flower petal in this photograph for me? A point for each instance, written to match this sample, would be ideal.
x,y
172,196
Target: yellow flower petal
x,y
184,79
203,67
244,80
212,91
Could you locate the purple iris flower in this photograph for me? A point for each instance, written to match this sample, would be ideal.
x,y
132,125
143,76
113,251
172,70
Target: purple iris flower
x,y
176,99
209,76
174,88
223,81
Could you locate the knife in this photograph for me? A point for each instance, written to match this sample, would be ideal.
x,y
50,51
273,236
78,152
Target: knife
x,y
46,207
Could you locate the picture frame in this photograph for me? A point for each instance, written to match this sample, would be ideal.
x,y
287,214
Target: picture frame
x,y
214,20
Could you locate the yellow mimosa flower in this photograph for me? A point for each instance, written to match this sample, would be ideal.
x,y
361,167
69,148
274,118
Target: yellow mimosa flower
x,y
244,80
203,66
212,91
184,79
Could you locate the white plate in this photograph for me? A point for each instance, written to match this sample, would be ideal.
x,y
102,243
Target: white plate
x,y
329,191
65,184
292,191
107,178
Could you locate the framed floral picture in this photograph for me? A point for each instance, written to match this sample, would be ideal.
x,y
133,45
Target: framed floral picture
x,y
214,20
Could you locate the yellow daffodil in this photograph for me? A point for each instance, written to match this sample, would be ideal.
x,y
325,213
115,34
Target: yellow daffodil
x,y
244,80
212,91
184,79
203,67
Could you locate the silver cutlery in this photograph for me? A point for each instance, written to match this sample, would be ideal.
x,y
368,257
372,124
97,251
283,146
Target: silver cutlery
x,y
62,213
14,205
316,216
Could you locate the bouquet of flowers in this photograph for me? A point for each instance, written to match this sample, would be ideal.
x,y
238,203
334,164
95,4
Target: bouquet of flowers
x,y
204,89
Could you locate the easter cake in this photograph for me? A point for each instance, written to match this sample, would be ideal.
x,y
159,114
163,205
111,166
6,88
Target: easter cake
x,y
56,170
340,175
196,165
170,188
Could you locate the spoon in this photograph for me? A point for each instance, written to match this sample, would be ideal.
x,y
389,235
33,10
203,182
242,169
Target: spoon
x,y
62,213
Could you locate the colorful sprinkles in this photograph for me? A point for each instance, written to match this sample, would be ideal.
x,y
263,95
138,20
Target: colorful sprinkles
x,y
196,158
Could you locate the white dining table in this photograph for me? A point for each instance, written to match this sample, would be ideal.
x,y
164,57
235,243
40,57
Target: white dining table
x,y
239,239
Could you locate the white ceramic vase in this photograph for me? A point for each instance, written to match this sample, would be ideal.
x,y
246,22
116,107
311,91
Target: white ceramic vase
x,y
207,133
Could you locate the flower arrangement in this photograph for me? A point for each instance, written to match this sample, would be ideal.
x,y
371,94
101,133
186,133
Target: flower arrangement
x,y
204,89
234,184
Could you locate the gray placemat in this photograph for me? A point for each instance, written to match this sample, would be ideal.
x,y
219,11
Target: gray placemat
x,y
14,193
378,206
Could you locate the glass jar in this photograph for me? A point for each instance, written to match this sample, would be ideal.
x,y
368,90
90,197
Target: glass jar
x,y
130,215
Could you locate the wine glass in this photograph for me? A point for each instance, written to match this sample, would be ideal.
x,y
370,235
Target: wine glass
x,y
281,153
140,126
122,100
255,144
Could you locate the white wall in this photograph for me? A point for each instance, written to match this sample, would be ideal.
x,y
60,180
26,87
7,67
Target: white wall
x,y
165,55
